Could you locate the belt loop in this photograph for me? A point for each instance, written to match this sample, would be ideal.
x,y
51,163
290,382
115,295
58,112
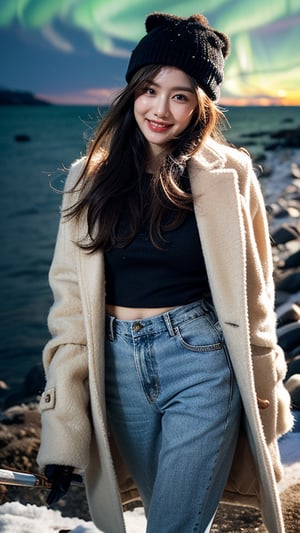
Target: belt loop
x,y
169,325
110,328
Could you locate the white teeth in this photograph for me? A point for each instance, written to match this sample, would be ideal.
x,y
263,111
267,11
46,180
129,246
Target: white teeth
x,y
156,125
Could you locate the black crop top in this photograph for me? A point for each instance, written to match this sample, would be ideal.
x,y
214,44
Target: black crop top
x,y
140,275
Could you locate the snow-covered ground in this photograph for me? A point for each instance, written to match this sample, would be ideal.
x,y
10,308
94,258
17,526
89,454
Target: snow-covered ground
x,y
290,456
18,518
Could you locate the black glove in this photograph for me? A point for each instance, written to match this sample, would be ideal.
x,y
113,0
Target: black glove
x,y
60,477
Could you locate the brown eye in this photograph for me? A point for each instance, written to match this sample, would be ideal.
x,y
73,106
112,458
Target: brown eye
x,y
180,97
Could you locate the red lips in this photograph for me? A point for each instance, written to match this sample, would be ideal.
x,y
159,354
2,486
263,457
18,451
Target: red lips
x,y
158,126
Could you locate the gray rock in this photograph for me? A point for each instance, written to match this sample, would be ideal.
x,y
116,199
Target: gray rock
x,y
293,261
290,283
285,233
293,367
287,313
289,336
295,352
293,387
295,170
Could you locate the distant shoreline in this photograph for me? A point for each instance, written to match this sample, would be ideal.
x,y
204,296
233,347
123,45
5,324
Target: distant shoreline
x,y
9,97
12,97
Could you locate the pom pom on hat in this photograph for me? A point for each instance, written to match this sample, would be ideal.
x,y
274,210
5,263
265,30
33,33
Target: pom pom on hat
x,y
189,44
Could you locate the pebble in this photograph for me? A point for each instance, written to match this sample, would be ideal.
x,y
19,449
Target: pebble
x,y
287,313
290,282
285,233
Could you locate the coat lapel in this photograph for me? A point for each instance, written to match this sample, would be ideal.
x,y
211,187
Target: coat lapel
x,y
92,284
219,220
217,205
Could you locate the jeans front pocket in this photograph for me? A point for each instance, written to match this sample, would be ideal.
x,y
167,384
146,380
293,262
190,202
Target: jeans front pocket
x,y
199,335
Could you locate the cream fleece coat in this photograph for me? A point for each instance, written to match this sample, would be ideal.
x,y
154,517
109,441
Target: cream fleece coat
x,y
233,229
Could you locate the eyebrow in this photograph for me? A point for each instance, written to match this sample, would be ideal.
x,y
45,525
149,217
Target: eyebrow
x,y
179,88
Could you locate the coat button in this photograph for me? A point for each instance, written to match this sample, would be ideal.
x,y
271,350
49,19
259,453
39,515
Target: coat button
x,y
137,326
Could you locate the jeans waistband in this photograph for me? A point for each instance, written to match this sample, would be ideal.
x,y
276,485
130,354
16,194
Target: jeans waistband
x,y
158,323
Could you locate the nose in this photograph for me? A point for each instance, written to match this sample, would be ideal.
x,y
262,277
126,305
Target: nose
x,y
161,109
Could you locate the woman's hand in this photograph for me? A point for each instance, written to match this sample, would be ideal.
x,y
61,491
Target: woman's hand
x,y
60,477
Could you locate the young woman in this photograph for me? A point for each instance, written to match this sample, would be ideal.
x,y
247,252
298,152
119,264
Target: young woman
x,y
163,354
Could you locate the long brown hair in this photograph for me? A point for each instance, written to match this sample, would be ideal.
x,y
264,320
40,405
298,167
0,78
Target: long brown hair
x,y
111,183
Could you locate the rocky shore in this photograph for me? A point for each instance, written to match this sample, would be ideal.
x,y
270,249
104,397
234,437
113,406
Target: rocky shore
x,y
20,423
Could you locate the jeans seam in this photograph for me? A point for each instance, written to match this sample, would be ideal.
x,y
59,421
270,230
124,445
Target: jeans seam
x,y
229,407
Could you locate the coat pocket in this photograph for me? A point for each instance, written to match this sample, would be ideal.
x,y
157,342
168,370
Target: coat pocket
x,y
269,372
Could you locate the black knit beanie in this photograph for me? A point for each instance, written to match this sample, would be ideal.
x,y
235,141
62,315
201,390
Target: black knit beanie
x,y
189,44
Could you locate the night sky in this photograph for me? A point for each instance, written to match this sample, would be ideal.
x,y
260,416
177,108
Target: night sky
x,y
76,51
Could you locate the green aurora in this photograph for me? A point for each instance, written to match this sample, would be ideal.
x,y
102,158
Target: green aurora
x,y
265,51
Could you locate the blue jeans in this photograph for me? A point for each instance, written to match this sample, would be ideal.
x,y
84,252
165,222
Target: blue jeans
x,y
174,408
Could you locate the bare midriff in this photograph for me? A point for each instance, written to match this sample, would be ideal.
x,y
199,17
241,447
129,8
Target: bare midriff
x,y
132,313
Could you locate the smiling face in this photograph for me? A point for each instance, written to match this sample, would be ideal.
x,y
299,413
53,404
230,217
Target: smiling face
x,y
165,108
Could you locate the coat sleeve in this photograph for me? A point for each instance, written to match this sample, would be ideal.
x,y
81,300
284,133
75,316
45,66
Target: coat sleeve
x,y
64,405
268,358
